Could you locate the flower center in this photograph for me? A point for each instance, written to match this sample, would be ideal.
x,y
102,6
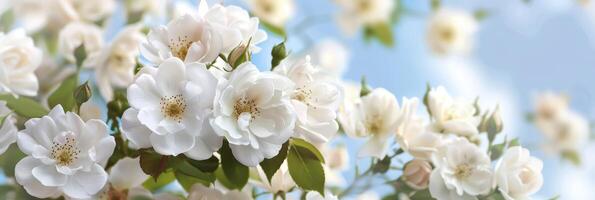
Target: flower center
x,y
447,34
463,171
303,95
246,105
180,46
173,107
65,153
374,124
364,6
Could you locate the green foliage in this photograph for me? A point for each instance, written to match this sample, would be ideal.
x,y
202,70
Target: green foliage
x,y
305,166
426,98
64,94
280,31
382,32
208,165
24,107
364,88
497,150
239,55
188,175
163,180
278,53
10,158
80,55
236,172
382,166
480,14
271,165
6,20
154,164
572,156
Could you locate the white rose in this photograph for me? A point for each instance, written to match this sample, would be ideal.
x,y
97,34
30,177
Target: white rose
x,y
452,116
357,13
548,105
8,129
568,131
313,195
315,99
337,161
254,113
127,174
518,174
451,31
188,38
417,174
380,115
461,170
114,64
199,192
93,10
170,106
65,155
19,58
76,34
275,12
234,24
416,138
281,181
331,56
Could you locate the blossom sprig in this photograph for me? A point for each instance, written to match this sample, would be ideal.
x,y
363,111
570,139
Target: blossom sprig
x,y
185,104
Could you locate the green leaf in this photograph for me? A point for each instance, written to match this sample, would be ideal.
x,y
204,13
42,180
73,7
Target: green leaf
x,y
298,142
572,156
497,150
10,158
427,98
64,94
555,198
421,195
364,88
305,168
382,166
188,175
223,179
236,172
208,165
164,179
6,20
382,32
271,165
80,55
435,4
494,124
273,29
480,14
514,142
153,164
278,53
24,106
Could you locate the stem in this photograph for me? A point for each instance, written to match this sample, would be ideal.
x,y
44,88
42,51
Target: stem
x,y
355,181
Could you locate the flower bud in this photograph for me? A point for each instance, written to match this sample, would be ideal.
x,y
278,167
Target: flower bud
x,y
82,93
417,174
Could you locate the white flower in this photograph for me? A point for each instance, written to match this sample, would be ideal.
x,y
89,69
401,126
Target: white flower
x,y
369,195
114,64
568,131
451,31
347,116
315,99
93,10
188,38
417,174
76,34
50,74
65,156
8,129
275,12
461,170
18,60
89,111
200,192
416,138
331,56
312,195
170,106
254,113
234,24
452,116
378,116
337,161
357,13
126,174
549,105
518,174
281,181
